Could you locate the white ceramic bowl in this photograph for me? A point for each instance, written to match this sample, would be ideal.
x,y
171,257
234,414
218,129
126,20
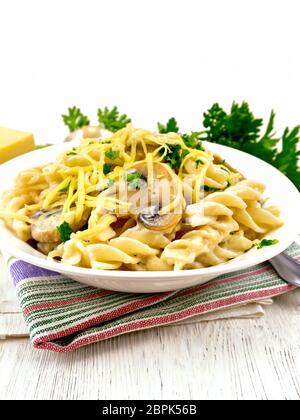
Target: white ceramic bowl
x,y
282,192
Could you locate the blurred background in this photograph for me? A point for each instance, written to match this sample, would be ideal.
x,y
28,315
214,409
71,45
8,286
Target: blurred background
x,y
152,58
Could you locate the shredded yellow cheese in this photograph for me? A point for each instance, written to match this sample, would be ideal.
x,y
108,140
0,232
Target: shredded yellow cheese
x,y
103,224
68,202
150,170
81,196
14,215
197,192
53,195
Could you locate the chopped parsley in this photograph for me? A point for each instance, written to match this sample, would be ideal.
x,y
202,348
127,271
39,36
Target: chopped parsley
x,y
193,140
112,154
175,155
211,189
134,180
65,231
106,168
65,189
267,242
72,153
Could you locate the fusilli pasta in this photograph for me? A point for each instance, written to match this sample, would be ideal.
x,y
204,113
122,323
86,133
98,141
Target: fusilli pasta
x,y
138,201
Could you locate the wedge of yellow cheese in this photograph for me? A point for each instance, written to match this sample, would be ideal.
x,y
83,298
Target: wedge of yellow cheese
x,y
14,143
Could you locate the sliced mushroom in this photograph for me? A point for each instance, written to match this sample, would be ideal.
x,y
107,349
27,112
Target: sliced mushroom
x,y
44,228
151,219
165,185
46,248
88,132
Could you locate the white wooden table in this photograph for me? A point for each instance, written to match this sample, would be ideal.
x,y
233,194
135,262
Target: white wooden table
x,y
236,359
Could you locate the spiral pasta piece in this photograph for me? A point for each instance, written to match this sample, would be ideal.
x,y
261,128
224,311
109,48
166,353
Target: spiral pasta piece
x,y
216,219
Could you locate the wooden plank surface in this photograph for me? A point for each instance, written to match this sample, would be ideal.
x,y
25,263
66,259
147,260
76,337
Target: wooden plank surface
x,y
236,359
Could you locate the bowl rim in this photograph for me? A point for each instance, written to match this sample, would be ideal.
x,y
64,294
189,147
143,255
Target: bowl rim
x,y
230,266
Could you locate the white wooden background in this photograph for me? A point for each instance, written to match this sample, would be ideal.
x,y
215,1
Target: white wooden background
x,y
234,359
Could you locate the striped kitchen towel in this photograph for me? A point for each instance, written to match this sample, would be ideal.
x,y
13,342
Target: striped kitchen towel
x,y
63,315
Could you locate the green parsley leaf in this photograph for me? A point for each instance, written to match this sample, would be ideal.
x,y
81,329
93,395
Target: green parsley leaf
x,y
111,119
193,140
233,129
134,180
267,242
210,189
112,154
72,153
170,127
241,130
42,146
199,162
65,189
265,147
75,119
106,168
175,155
65,231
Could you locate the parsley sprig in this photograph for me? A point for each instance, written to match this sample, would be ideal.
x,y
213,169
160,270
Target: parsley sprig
x,y
193,140
75,119
239,126
111,119
170,127
241,130
175,155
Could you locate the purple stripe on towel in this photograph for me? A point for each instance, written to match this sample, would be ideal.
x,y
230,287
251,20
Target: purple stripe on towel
x,y
21,270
